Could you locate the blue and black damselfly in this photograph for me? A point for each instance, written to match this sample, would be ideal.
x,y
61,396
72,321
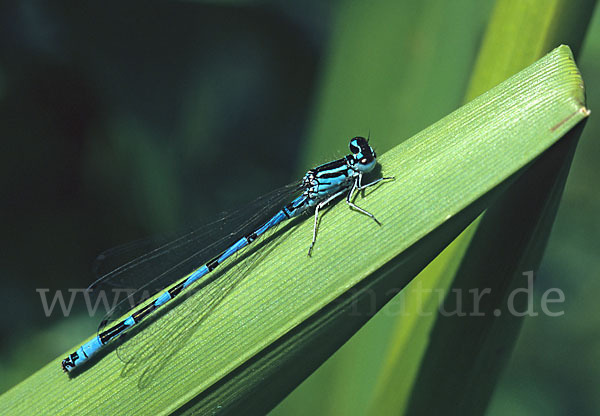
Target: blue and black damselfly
x,y
319,187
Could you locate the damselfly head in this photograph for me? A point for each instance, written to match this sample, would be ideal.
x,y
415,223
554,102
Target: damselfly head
x,y
363,153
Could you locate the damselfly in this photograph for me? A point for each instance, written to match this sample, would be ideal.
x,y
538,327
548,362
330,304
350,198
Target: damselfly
x,y
319,187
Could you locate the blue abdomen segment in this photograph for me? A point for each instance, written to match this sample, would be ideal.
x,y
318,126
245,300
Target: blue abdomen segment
x,y
195,276
240,244
275,220
90,348
164,298
84,353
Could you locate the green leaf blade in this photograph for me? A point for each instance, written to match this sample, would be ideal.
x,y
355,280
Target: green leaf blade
x,y
285,317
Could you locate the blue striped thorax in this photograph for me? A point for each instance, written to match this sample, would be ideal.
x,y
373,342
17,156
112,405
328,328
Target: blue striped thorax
x,y
327,179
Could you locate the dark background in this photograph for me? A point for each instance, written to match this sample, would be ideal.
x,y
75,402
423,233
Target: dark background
x,y
123,121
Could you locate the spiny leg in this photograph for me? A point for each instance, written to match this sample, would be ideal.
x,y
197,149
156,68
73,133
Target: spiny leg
x,y
317,208
361,187
358,186
352,205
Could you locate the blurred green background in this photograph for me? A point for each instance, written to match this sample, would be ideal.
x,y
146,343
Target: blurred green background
x,y
124,121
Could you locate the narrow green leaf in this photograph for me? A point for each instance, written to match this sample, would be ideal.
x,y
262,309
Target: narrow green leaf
x,y
518,34
499,265
264,333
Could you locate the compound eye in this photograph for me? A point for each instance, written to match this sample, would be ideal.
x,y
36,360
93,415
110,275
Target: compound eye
x,y
353,146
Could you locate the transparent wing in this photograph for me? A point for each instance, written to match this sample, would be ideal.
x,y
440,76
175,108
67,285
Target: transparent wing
x,y
161,338
162,264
